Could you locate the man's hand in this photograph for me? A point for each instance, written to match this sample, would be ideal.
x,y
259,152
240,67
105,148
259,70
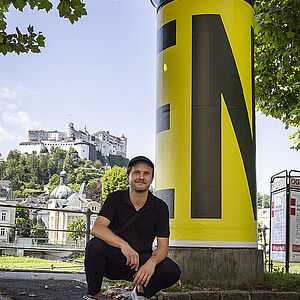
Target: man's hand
x,y
131,256
144,274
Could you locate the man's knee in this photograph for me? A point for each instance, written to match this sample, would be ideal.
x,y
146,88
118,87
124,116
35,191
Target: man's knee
x,y
172,270
94,247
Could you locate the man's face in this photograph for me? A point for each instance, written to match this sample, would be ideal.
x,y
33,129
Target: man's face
x,y
140,177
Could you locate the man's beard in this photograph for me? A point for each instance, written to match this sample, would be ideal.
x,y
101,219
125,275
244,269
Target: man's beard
x,y
142,190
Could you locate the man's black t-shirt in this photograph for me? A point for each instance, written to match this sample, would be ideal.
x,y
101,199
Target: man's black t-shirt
x,y
153,219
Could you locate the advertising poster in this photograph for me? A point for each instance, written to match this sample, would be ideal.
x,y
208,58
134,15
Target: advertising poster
x,y
278,225
295,226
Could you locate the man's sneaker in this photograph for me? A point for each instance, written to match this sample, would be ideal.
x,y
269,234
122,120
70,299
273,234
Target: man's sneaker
x,y
87,297
135,296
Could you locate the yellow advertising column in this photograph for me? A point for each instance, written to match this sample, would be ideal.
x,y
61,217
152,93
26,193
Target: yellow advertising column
x,y
205,133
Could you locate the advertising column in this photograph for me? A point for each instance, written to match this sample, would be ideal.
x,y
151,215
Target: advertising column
x,y
205,132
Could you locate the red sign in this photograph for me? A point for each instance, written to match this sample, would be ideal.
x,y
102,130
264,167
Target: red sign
x,y
293,202
278,247
296,248
295,181
293,211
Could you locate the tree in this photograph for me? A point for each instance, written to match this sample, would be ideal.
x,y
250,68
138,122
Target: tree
x,y
266,201
113,180
2,169
95,190
101,157
69,163
117,160
259,200
43,167
39,224
98,164
44,150
22,220
32,165
31,41
59,154
78,225
263,201
277,52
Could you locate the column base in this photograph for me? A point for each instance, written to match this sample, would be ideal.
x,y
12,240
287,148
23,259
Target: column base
x,y
220,267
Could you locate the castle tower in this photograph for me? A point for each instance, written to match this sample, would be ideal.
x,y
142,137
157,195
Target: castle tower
x,y
70,130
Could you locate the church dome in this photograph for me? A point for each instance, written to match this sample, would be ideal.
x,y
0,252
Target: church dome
x,y
61,192
63,173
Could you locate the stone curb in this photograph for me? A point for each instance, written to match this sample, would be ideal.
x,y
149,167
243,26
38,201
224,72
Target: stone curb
x,y
229,295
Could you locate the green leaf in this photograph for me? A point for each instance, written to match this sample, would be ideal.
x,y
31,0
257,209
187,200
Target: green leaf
x,y
19,4
41,40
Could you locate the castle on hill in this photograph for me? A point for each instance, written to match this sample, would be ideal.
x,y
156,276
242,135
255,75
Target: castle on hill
x,y
83,142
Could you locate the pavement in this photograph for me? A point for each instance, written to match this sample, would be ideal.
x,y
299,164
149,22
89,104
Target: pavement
x,y
32,285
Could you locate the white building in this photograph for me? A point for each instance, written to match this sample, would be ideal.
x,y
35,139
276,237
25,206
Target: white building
x,y
7,214
109,144
263,219
83,142
63,198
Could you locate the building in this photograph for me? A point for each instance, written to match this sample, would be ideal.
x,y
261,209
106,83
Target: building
x,y
263,220
83,142
36,203
7,214
63,198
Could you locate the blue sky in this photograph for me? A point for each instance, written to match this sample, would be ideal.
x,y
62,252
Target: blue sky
x,y
100,73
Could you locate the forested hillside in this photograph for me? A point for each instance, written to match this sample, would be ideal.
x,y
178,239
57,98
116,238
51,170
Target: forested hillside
x,y
39,174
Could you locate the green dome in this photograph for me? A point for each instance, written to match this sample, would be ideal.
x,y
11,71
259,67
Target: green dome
x,y
61,192
63,173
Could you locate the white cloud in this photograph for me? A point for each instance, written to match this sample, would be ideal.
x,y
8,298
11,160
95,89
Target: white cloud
x,y
20,118
7,93
5,135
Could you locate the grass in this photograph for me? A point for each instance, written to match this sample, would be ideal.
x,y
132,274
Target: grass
x,y
27,262
276,281
279,266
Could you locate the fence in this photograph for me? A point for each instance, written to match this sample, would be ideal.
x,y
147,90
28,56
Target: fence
x,y
88,213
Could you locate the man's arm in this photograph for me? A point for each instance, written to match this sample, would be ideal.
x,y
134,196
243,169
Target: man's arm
x,y
145,272
100,230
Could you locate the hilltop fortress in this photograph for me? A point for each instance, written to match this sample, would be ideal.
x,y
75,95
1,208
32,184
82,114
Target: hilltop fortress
x,y
83,142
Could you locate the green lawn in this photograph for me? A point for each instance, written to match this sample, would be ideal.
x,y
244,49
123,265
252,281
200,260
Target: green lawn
x,y
294,267
17,262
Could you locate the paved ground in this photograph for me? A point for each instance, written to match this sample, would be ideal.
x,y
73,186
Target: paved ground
x,y
21,285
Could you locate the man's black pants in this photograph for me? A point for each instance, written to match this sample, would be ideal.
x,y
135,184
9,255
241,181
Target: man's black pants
x,y
102,259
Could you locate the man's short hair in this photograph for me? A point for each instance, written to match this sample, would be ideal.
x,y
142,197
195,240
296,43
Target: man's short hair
x,y
137,159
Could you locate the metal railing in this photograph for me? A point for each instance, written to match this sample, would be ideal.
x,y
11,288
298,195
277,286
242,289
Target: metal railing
x,y
88,213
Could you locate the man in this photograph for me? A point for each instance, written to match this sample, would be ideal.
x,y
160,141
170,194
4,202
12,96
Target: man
x,y
123,234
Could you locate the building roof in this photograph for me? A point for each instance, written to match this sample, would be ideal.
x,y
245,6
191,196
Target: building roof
x,y
62,191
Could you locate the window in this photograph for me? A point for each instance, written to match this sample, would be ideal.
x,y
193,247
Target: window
x,y
71,219
2,231
3,216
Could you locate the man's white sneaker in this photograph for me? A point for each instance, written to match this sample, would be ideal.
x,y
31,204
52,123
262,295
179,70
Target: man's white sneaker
x,y
135,296
87,297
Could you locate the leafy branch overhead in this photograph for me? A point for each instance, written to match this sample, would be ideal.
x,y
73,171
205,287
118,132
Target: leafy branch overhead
x,y
277,68
19,42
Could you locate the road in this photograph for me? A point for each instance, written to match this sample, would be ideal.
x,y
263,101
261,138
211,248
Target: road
x,y
50,286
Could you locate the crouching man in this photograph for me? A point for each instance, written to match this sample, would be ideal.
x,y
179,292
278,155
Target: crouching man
x,y
124,231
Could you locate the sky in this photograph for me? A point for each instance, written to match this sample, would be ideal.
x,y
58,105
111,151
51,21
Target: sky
x,y
100,73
